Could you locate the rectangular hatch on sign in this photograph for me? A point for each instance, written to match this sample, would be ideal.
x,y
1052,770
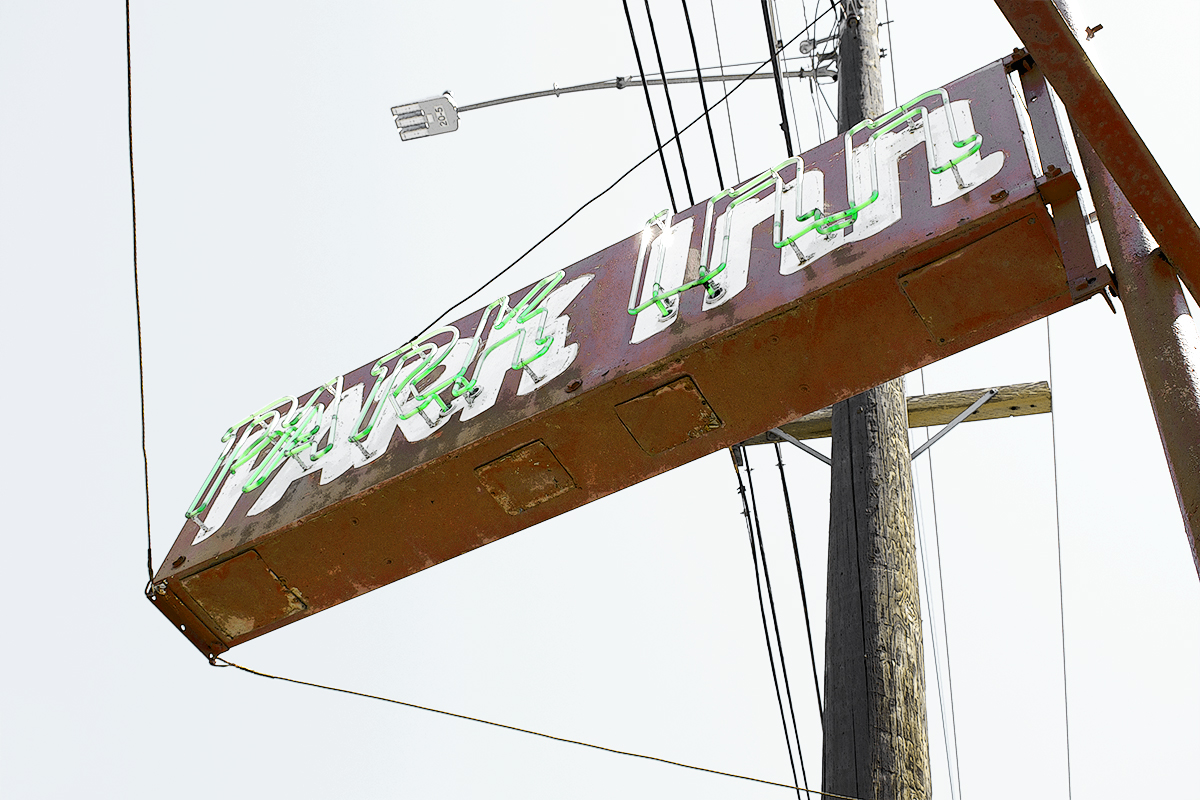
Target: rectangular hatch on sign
x,y
1016,267
668,416
242,595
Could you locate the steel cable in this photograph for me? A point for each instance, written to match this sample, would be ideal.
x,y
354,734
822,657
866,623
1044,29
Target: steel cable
x,y
137,298
225,663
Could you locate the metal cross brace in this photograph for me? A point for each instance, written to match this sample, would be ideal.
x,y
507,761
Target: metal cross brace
x,y
787,437
783,436
971,409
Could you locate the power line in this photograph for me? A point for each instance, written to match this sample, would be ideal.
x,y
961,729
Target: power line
x,y
703,99
787,501
725,97
891,55
1062,615
812,90
653,122
787,133
762,610
832,113
926,596
222,662
949,736
945,626
762,549
137,299
737,171
670,106
791,95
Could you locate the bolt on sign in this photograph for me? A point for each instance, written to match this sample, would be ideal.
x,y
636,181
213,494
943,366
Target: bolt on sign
x,y
910,238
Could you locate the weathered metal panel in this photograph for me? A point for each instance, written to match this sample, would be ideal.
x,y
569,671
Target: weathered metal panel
x,y
557,396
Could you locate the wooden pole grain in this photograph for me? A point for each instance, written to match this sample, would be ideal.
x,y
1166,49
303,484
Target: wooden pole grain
x,y
876,743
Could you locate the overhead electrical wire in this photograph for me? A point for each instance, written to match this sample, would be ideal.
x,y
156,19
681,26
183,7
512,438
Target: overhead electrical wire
x,y
787,502
1062,615
832,113
949,737
217,661
812,88
834,31
703,98
945,628
637,53
737,170
787,131
670,107
931,616
719,67
891,54
762,549
791,95
742,82
750,526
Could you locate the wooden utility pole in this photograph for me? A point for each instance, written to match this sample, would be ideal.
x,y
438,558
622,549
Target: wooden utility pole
x,y
876,743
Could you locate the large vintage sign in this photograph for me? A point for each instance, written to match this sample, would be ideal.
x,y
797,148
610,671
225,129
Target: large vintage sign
x,y
912,237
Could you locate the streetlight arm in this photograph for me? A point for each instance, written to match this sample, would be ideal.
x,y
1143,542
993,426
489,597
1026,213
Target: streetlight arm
x,y
651,80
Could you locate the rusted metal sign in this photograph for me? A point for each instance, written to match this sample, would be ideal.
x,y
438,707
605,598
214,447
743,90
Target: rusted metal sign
x,y
816,280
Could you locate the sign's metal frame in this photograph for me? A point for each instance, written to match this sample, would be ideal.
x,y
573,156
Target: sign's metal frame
x,y
1091,105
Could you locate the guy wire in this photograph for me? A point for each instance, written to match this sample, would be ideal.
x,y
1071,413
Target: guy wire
x,y
217,661
137,299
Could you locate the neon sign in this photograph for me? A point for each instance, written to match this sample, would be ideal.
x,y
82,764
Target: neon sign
x,y
417,388
808,232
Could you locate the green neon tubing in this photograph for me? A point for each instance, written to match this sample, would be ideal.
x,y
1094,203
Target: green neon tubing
x,y
530,307
224,463
421,371
380,372
298,428
336,391
826,225
201,500
658,295
297,434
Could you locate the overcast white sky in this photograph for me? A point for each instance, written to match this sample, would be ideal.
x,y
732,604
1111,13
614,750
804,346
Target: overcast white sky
x,y
286,234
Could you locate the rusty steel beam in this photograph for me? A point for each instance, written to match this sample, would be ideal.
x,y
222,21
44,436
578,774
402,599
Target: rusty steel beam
x,y
1052,43
1164,337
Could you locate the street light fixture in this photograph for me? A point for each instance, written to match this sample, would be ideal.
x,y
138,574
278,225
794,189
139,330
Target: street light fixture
x,y
439,114
427,117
